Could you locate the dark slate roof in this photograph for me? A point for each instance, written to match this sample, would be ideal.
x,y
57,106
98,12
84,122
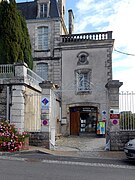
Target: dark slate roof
x,y
29,9
54,9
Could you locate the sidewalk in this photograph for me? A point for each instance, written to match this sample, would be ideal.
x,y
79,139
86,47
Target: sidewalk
x,y
77,146
85,147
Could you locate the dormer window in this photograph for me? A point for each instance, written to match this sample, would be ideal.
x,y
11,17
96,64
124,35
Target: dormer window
x,y
43,10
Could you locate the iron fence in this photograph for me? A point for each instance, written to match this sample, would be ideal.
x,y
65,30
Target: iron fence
x,y
127,110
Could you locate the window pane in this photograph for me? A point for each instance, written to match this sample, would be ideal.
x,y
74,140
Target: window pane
x,y
43,10
42,70
83,83
43,38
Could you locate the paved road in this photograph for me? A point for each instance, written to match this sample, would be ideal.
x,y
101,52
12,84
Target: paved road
x,y
74,158
44,157
39,166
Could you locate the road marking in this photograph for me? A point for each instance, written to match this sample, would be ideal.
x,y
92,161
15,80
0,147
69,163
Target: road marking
x,y
12,158
89,164
105,165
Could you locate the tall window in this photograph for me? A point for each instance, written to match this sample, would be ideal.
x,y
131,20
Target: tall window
x,y
43,10
43,38
42,70
83,80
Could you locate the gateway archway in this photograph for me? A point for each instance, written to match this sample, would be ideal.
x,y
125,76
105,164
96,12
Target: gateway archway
x,y
83,120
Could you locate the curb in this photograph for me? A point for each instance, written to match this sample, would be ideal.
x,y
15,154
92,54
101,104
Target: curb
x,y
84,154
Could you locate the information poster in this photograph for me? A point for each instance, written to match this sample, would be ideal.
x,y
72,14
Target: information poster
x,y
101,127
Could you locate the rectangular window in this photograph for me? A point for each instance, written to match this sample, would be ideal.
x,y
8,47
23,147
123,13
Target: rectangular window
x,y
83,81
42,70
43,38
43,10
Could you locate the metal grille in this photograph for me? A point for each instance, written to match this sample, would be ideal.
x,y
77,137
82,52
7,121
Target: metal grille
x,y
127,110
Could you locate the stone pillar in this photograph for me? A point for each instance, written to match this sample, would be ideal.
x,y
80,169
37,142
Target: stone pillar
x,y
48,128
21,70
18,101
18,106
112,128
113,93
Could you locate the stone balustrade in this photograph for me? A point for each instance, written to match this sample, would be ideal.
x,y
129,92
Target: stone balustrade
x,y
19,70
6,70
87,37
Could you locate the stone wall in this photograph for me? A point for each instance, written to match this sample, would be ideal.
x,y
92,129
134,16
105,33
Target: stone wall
x,y
3,102
97,54
119,139
39,139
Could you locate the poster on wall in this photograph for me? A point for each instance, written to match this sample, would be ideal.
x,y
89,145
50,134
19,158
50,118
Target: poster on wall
x,y
101,127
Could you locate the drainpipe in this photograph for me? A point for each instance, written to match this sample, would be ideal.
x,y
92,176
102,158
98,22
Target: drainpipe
x,y
7,113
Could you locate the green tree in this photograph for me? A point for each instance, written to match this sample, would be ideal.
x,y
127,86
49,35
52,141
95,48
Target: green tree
x,y
15,43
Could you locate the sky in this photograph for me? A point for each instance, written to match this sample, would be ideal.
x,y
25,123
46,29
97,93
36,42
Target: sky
x,y
110,15
116,16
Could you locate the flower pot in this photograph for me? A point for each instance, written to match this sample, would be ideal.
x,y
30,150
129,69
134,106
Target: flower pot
x,y
25,144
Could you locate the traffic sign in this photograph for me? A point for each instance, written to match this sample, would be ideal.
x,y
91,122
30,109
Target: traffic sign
x,y
114,116
45,122
45,101
115,121
104,112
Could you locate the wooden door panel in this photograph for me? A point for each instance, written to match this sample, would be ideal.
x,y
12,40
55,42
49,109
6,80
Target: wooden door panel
x,y
74,123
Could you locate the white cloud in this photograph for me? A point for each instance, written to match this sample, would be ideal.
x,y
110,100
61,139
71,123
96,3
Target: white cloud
x,y
106,15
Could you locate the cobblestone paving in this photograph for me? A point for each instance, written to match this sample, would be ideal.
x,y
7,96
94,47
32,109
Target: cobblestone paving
x,y
80,143
86,147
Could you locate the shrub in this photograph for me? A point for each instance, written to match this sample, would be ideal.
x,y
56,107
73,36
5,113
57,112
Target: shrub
x,y
10,139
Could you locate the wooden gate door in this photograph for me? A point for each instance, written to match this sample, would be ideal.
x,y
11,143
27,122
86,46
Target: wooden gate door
x,y
74,123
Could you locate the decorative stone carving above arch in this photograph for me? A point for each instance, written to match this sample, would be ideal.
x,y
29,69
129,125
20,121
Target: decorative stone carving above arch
x,y
82,58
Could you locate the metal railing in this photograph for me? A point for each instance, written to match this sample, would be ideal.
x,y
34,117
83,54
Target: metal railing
x,y
127,110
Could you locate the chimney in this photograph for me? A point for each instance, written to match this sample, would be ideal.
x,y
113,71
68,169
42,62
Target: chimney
x,y
71,21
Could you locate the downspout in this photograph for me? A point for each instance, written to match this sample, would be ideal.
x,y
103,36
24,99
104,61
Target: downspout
x,y
61,89
7,112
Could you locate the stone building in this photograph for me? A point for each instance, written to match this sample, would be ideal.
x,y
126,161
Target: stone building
x,y
81,65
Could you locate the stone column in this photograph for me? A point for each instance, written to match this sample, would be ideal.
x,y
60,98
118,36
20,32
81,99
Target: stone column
x,y
21,70
113,128
113,93
49,127
18,102
18,106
